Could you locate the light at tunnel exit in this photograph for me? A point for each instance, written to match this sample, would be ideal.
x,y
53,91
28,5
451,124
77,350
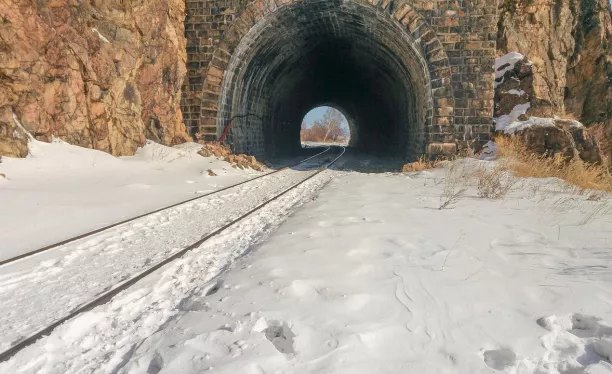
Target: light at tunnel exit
x,y
325,124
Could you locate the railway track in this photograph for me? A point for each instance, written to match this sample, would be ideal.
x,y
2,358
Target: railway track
x,y
108,294
101,229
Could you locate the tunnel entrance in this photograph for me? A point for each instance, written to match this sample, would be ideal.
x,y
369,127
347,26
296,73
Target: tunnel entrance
x,y
345,54
325,125
414,76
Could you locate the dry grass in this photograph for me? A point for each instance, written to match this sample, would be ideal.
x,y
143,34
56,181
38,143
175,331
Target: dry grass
x,y
569,116
575,172
422,164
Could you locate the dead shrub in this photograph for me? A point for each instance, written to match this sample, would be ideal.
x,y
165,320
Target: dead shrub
x,y
575,171
454,186
494,184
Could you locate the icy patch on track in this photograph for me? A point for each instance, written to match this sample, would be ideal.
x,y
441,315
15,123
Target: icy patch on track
x,y
104,339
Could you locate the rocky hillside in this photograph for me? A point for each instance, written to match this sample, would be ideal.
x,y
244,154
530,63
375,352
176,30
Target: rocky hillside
x,y
99,74
108,74
569,45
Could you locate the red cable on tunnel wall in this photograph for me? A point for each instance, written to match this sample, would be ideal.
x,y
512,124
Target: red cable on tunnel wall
x,y
229,124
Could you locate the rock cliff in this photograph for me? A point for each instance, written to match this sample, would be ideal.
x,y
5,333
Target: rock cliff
x,y
100,74
108,74
569,45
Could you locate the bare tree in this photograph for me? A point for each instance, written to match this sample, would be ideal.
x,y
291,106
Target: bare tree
x,y
329,128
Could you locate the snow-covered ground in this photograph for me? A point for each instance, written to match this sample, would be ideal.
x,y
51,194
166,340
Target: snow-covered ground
x,y
36,291
308,144
373,278
369,277
62,190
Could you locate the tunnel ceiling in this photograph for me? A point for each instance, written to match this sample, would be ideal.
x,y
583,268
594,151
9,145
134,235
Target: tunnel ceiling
x,y
347,56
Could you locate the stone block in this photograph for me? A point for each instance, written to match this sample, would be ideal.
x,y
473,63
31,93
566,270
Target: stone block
x,y
442,149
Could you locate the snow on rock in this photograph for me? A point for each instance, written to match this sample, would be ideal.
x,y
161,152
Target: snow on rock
x,y
506,63
100,36
516,92
502,122
514,126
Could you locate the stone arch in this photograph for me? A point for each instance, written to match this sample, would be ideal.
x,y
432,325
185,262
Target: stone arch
x,y
220,97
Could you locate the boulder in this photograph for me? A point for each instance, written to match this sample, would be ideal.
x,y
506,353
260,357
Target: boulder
x,y
552,137
587,146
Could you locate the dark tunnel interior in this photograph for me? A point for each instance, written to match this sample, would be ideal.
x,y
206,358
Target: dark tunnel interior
x,y
344,55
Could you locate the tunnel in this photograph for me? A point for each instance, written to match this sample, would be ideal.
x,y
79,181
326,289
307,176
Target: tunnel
x,y
352,56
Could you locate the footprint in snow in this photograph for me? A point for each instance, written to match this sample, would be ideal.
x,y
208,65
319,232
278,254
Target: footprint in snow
x,y
575,343
499,359
278,333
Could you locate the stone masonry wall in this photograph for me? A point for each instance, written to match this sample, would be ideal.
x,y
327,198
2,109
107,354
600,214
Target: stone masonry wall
x,y
466,29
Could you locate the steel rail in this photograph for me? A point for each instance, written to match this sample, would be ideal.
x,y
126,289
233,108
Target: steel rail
x,y
101,229
108,295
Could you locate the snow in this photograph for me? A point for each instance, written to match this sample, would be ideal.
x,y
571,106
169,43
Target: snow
x,y
20,126
100,36
368,277
516,92
510,127
489,151
504,64
108,258
103,338
61,190
503,122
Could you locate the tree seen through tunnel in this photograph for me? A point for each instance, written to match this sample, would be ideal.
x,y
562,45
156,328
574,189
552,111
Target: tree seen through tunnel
x,y
325,125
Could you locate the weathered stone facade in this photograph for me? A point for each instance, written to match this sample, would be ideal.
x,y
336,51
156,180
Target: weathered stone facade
x,y
414,76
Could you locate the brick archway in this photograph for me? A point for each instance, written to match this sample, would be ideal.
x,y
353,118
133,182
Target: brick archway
x,y
445,111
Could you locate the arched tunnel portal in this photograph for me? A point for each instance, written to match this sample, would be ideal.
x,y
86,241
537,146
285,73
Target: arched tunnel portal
x,y
382,64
